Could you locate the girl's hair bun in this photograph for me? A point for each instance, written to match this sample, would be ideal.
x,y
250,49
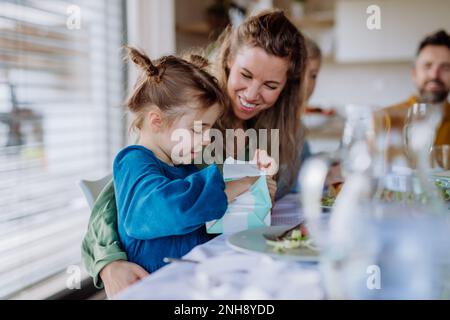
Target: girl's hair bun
x,y
199,61
143,62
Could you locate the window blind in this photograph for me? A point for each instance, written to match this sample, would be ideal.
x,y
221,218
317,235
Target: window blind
x,y
62,85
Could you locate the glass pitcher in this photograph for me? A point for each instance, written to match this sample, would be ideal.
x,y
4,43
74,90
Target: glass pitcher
x,y
339,234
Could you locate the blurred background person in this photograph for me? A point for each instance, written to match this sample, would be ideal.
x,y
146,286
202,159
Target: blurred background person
x,y
313,66
431,76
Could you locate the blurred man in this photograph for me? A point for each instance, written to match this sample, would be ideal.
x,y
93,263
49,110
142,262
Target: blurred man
x,y
431,75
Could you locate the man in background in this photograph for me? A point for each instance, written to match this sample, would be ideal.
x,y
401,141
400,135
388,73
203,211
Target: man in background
x,y
431,75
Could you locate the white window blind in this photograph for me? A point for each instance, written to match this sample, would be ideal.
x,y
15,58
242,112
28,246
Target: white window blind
x,y
61,91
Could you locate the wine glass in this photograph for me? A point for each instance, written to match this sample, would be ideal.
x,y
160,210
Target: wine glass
x,y
421,123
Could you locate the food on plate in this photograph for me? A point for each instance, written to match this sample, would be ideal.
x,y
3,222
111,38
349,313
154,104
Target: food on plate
x,y
297,238
331,193
328,201
444,188
391,196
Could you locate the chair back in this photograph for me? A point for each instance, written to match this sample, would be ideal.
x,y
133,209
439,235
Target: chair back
x,y
92,188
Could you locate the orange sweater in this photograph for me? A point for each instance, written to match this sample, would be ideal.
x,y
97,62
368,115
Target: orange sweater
x,y
397,115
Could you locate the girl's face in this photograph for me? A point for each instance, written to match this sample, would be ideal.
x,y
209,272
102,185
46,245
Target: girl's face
x,y
183,140
255,82
312,70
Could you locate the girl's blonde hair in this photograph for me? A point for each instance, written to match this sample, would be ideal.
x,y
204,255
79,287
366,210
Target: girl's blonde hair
x,y
313,49
273,32
171,83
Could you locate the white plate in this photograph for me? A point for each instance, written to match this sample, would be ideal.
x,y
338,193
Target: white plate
x,y
252,241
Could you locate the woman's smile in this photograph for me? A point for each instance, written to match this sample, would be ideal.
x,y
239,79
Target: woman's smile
x,y
246,106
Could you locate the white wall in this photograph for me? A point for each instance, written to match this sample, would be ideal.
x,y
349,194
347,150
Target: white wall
x,y
374,67
374,84
151,26
402,24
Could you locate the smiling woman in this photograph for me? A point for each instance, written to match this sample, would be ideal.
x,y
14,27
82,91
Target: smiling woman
x,y
261,64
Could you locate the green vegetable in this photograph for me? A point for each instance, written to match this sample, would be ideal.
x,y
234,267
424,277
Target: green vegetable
x,y
293,240
444,189
328,201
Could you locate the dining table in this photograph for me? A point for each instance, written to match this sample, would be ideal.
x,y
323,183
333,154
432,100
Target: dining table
x,y
217,271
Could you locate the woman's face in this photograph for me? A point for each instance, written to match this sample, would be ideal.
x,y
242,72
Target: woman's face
x,y
255,82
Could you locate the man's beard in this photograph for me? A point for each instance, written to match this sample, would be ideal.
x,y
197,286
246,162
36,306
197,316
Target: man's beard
x,y
434,96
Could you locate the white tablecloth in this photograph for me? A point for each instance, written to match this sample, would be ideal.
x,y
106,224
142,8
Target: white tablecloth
x,y
223,273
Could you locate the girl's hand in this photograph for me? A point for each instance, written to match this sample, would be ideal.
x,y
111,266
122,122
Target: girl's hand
x,y
265,162
272,185
120,274
236,187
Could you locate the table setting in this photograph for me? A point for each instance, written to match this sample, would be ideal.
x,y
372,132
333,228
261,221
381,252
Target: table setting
x,y
384,235
220,270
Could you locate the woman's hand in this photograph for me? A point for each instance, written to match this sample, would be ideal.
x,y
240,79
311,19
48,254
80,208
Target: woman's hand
x,y
265,162
236,187
272,185
120,274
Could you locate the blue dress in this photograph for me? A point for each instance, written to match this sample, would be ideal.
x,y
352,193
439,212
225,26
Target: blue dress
x,y
162,209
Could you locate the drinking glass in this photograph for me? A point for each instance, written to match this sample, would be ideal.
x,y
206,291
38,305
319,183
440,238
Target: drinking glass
x,y
419,130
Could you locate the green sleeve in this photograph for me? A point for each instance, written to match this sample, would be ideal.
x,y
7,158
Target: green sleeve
x,y
101,243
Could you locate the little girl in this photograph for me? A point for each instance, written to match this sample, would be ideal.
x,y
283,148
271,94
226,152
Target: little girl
x,y
163,203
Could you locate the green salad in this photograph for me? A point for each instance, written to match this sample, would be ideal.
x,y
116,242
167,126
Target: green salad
x,y
399,196
293,240
444,189
328,201
391,196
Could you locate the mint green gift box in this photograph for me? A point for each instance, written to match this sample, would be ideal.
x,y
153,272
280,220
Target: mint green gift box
x,y
249,210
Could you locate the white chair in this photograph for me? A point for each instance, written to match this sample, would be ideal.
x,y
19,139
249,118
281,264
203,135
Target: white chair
x,y
92,188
